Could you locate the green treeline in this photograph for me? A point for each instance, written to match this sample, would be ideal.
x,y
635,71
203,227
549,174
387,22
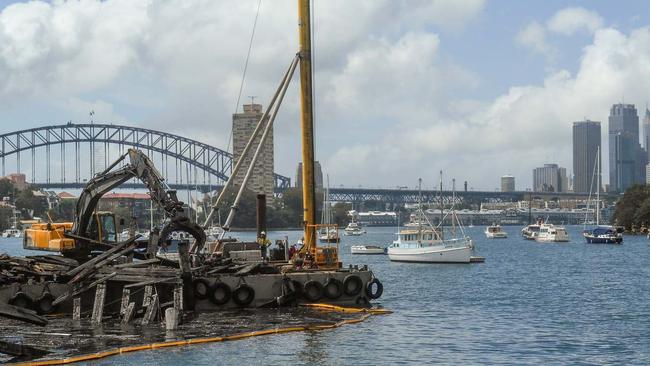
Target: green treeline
x,y
633,209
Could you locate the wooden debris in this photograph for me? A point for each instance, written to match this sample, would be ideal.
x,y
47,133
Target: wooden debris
x,y
21,350
146,300
68,295
22,314
171,319
137,263
126,293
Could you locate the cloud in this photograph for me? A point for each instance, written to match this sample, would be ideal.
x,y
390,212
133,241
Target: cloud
x,y
573,19
533,36
526,127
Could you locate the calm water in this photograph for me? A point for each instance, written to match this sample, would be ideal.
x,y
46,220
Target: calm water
x,y
529,303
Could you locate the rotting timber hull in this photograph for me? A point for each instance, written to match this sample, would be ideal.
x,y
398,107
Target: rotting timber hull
x,y
338,287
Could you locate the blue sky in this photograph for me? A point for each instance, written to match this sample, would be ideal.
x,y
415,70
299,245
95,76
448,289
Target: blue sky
x,y
404,88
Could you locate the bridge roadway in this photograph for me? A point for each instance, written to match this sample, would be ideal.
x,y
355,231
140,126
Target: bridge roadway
x,y
395,196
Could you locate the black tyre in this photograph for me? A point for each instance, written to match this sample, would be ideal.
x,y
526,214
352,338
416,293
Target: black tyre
x,y
201,288
333,289
220,293
352,285
372,292
313,291
243,295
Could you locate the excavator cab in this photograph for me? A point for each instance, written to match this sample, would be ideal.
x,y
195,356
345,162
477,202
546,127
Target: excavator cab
x,y
50,236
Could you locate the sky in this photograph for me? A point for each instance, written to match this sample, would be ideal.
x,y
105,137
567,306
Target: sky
x,y
403,88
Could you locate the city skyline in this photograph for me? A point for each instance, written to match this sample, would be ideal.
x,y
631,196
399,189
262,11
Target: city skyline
x,y
439,97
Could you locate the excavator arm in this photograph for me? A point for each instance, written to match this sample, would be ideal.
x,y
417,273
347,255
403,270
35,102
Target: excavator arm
x,y
142,168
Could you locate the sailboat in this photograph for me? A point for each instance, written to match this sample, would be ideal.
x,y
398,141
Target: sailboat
x,y
601,234
328,233
426,243
13,231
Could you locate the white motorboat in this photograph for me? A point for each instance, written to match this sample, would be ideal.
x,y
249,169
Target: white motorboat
x,y
426,244
495,232
354,229
549,233
12,233
367,249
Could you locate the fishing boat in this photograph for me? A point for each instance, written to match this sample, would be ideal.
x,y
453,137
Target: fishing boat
x,y
549,233
601,234
426,243
495,232
367,249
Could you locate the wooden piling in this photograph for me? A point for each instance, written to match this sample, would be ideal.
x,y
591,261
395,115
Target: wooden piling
x,y
98,306
171,319
76,308
152,310
126,293
128,313
152,247
178,298
146,300
186,275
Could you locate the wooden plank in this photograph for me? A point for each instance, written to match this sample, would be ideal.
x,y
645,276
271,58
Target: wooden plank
x,y
152,246
100,257
137,264
178,298
88,270
22,314
98,306
68,294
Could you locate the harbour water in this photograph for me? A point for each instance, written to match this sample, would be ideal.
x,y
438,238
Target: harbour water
x,y
529,303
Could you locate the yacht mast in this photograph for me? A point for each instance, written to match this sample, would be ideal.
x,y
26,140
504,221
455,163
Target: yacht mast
x,y
598,187
307,123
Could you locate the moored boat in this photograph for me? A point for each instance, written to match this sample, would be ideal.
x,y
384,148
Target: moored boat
x,y
549,233
495,232
367,249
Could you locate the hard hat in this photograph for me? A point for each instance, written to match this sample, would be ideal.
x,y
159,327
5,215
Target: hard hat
x,y
262,233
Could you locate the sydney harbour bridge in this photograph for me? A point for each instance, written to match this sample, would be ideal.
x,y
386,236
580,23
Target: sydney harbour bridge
x,y
66,156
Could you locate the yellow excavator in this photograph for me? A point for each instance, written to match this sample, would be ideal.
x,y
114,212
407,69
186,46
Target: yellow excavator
x,y
92,230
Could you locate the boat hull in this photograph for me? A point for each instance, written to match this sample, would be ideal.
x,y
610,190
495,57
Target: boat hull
x,y
603,240
361,249
496,235
431,255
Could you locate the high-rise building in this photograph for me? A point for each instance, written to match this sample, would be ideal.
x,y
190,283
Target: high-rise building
x,y
507,183
243,125
647,174
318,175
586,144
646,134
550,178
627,159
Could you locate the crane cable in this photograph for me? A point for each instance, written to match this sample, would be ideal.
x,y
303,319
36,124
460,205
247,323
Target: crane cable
x,y
243,77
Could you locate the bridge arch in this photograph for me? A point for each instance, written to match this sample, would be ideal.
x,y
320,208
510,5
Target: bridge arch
x,y
210,159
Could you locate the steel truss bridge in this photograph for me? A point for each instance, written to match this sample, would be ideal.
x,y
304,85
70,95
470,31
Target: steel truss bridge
x,y
85,149
402,196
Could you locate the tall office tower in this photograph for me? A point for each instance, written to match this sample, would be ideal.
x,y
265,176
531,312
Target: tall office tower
x,y
586,142
625,169
546,178
243,125
646,133
507,183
